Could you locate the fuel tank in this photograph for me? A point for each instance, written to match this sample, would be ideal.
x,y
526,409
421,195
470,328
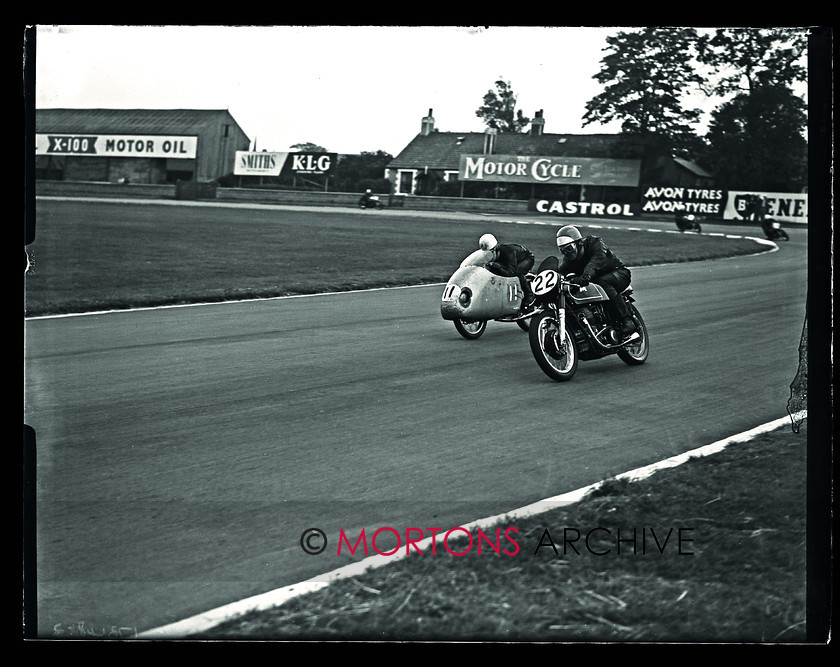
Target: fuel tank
x,y
592,293
473,293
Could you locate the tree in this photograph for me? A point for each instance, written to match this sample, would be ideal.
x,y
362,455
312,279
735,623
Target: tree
x,y
499,109
360,172
751,58
646,75
309,147
755,141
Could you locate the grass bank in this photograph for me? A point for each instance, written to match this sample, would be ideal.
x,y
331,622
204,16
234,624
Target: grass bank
x,y
710,551
110,255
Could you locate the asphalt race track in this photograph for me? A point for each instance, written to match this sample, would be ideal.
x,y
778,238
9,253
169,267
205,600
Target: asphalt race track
x,y
182,452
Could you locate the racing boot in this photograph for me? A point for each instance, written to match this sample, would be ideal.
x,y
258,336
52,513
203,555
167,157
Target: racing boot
x,y
628,328
528,302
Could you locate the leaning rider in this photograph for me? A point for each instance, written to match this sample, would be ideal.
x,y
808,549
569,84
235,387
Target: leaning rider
x,y
592,261
365,198
510,259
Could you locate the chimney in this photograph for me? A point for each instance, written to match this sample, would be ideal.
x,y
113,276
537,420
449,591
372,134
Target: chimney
x,y
427,126
490,140
538,124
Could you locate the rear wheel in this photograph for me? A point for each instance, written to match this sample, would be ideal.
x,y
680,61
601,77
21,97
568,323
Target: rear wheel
x,y
557,358
636,353
470,330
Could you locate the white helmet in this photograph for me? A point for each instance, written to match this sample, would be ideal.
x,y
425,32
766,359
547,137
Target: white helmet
x,y
487,242
568,234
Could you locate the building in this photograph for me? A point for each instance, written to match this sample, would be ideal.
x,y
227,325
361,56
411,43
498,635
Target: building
x,y
606,168
148,146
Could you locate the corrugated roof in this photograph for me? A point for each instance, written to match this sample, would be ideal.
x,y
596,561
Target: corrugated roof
x,y
443,150
121,121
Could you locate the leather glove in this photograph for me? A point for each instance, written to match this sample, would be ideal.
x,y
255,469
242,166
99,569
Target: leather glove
x,y
493,267
581,281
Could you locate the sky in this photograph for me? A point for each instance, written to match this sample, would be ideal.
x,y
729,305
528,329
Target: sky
x,y
347,89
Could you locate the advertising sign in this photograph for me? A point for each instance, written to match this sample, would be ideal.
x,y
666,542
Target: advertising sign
x,y
543,169
589,209
698,201
783,206
312,163
117,145
250,163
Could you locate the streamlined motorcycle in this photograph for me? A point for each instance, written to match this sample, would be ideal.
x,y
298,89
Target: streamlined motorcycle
x,y
579,324
473,295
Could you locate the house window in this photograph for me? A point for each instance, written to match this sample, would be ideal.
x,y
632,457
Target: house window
x,y
405,185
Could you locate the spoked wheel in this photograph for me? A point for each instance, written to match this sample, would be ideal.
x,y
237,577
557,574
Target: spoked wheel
x,y
557,358
470,330
636,353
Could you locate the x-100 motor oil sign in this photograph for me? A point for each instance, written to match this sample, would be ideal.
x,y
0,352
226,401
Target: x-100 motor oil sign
x,y
116,145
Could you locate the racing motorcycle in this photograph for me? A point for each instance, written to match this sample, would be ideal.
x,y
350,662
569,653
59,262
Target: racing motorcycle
x,y
773,230
371,202
576,323
687,222
474,295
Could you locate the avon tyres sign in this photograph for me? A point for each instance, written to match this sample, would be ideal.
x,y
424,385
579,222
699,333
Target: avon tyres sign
x,y
544,169
117,145
249,163
669,199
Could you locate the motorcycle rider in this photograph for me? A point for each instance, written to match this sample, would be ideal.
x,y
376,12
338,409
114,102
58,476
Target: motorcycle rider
x,y
510,259
593,262
365,198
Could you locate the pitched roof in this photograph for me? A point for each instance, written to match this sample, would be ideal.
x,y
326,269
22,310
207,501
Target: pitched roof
x,y
118,121
443,150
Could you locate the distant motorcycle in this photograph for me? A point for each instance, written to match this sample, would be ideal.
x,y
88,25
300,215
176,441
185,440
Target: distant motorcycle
x,y
686,222
371,202
773,230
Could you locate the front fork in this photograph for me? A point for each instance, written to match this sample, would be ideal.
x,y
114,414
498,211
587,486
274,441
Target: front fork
x,y
560,336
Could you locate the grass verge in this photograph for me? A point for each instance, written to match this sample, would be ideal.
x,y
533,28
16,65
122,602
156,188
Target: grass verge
x,y
710,551
108,255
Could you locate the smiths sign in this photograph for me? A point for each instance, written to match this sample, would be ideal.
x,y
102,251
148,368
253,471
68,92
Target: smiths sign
x,y
249,163
271,164
541,169
116,145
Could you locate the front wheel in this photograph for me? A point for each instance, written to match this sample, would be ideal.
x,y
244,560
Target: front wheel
x,y
470,330
557,358
636,353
